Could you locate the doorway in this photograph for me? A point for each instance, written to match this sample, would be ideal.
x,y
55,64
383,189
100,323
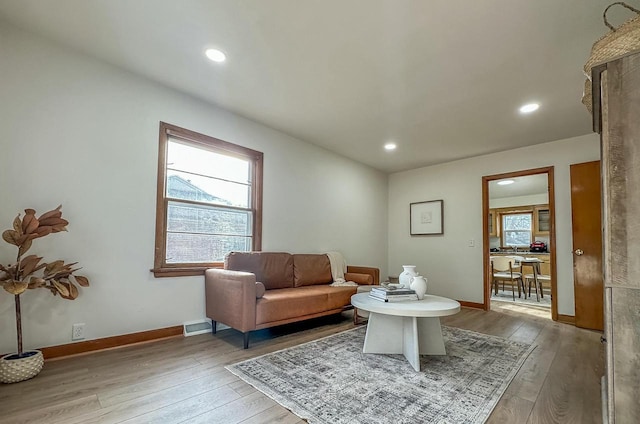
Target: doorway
x,y
517,213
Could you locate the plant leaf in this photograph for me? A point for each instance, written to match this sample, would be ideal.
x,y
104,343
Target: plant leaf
x,y
29,264
82,280
15,287
53,221
29,222
33,225
60,270
58,228
42,231
73,291
36,282
17,224
53,267
62,289
11,237
24,247
52,213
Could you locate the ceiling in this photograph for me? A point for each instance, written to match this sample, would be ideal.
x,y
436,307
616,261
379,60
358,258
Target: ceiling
x,y
441,78
522,186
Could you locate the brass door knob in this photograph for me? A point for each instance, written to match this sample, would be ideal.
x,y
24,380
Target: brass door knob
x,y
579,252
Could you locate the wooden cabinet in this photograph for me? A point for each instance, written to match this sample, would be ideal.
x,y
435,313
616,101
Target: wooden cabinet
x,y
493,223
616,108
541,220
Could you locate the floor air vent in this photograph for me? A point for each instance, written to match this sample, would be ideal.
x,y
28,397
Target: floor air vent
x,y
196,327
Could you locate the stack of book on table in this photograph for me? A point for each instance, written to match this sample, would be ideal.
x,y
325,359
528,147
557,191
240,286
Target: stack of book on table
x,y
392,294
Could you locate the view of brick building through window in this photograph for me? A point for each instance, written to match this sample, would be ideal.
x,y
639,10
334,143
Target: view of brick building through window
x,y
208,204
202,233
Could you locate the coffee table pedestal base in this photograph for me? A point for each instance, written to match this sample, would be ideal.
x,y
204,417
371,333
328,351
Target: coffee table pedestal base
x,y
410,336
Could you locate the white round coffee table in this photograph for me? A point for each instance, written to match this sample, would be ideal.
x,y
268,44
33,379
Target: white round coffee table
x,y
410,328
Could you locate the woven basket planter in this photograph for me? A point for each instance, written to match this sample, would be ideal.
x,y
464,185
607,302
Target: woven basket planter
x,y
14,370
617,42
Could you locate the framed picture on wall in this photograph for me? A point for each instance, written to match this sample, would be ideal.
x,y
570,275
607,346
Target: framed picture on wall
x,y
426,218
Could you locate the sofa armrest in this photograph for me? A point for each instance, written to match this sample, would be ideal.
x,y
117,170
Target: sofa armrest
x,y
231,298
373,272
360,279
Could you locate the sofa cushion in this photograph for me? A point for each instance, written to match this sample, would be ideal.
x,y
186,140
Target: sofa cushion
x,y
340,296
310,270
283,304
273,269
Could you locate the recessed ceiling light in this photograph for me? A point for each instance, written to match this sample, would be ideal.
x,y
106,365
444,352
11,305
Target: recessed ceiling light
x,y
390,146
529,107
215,55
505,182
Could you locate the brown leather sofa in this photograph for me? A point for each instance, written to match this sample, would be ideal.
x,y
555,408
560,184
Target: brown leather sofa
x,y
258,290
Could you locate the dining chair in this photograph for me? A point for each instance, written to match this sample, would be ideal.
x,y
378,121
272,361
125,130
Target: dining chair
x,y
502,269
517,265
517,261
531,278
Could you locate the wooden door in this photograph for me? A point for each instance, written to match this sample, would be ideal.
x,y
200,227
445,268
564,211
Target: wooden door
x,y
587,244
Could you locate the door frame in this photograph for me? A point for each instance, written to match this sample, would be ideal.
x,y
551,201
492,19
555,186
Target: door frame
x,y
552,232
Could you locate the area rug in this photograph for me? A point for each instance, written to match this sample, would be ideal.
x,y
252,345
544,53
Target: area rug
x,y
330,380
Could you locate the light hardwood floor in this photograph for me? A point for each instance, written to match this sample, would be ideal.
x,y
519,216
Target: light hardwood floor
x,y
184,380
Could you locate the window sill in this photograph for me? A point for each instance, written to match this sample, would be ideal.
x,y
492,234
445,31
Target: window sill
x,y
184,271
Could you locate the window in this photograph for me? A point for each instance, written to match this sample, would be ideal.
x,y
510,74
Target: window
x,y
516,229
209,202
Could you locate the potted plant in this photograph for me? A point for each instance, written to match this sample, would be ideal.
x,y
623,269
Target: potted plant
x,y
28,272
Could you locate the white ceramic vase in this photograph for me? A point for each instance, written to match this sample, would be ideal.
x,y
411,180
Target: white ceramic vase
x,y
405,276
419,285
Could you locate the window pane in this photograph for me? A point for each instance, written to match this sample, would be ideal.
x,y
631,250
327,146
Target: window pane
x,y
186,186
517,238
184,157
517,222
186,218
203,248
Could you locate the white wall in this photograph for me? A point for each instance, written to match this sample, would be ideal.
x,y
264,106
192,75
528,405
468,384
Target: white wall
x,y
531,199
85,134
453,269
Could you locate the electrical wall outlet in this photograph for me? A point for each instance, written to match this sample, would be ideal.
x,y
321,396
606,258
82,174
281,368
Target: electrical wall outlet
x,y
472,243
77,331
